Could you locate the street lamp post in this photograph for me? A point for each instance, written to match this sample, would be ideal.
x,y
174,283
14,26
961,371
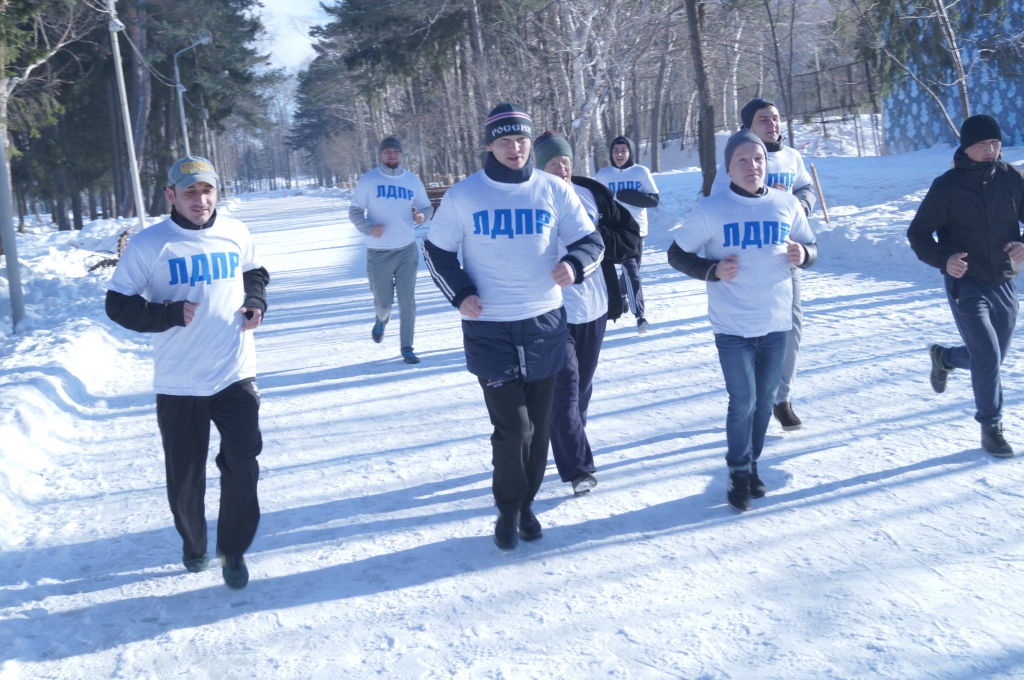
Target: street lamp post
x,y
115,26
181,88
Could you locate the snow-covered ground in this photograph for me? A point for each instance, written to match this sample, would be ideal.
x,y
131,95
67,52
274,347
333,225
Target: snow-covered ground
x,y
889,544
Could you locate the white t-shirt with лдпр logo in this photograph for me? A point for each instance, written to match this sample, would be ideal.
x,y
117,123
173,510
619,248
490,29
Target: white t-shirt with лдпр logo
x,y
389,200
587,301
760,299
509,237
635,177
168,263
785,167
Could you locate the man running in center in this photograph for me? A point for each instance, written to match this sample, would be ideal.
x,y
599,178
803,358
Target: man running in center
x,y
508,220
751,236
785,172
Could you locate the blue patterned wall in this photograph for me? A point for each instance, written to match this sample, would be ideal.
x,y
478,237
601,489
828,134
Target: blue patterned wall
x,y
913,120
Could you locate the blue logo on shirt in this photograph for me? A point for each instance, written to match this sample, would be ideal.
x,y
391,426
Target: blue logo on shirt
x,y
756,234
616,187
392,191
205,268
788,179
510,222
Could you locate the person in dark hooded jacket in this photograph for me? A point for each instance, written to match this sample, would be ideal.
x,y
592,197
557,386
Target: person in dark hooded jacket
x,y
975,209
588,306
633,186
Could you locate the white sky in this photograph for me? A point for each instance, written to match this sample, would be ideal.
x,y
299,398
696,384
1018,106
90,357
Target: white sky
x,y
287,23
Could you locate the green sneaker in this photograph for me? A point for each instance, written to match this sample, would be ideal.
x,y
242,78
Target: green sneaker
x,y
196,564
233,569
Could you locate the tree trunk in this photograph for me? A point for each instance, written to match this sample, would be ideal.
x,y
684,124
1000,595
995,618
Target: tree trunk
x,y
659,92
706,122
136,19
954,52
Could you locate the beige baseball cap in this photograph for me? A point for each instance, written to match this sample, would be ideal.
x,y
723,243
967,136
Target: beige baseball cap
x,y
191,169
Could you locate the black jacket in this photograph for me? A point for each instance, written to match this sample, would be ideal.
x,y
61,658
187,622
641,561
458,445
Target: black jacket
x,y
621,236
975,209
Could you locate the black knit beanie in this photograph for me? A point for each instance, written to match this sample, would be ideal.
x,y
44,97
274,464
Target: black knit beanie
x,y
979,128
507,119
752,107
390,143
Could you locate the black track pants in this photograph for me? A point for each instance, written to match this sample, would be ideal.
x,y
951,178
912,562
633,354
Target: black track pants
x,y
521,415
185,429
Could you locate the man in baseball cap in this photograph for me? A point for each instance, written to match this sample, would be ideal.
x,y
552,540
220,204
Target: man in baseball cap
x,y
195,282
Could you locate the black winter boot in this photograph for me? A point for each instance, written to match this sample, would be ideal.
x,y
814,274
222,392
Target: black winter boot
x,y
529,525
783,413
757,488
992,440
939,369
506,534
738,493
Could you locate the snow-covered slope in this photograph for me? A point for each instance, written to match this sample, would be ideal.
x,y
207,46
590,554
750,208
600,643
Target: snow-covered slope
x,y
889,544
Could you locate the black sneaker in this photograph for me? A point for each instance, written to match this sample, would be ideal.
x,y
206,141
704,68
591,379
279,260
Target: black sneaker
x,y
583,483
784,414
378,330
196,564
992,440
409,357
738,493
757,488
506,531
234,571
939,369
529,525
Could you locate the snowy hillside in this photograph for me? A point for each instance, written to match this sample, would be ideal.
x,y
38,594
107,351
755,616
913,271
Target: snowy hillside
x,y
889,545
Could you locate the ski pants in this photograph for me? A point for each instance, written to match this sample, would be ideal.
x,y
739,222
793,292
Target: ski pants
x,y
751,367
629,284
185,429
521,415
573,390
792,343
391,270
985,314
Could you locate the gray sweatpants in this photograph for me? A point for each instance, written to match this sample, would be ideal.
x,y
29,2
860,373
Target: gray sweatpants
x,y
389,270
792,343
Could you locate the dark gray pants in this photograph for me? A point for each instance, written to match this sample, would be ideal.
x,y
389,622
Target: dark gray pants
x,y
391,270
629,284
985,314
792,343
573,389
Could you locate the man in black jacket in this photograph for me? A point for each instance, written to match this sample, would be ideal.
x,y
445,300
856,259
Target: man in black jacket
x,y
588,307
975,209
195,282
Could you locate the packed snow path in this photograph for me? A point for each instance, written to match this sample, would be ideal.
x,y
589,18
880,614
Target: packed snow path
x,y
889,544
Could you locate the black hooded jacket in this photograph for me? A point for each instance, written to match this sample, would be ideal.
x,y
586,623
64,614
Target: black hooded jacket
x,y
975,208
621,236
